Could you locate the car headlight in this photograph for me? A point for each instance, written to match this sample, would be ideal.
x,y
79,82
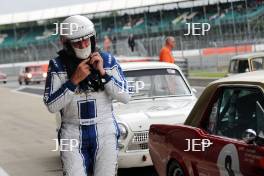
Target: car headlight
x,y
123,131
29,75
44,75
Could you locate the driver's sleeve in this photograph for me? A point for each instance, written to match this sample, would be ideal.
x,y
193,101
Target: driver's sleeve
x,y
57,94
116,85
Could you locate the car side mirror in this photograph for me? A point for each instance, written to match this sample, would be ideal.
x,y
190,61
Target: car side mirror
x,y
249,136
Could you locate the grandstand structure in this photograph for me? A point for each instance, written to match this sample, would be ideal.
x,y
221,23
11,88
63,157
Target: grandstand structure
x,y
28,36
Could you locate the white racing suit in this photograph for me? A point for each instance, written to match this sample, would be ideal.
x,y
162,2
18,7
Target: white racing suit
x,y
87,118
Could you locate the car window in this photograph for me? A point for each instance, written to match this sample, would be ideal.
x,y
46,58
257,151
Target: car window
x,y
235,111
233,66
257,63
243,66
156,82
260,117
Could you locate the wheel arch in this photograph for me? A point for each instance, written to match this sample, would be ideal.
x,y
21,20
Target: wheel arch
x,y
175,158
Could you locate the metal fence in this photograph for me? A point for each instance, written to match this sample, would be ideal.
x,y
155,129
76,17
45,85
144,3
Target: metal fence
x,y
144,47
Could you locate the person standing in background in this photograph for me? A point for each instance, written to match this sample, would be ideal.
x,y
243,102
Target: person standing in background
x,y
131,42
165,52
114,45
107,44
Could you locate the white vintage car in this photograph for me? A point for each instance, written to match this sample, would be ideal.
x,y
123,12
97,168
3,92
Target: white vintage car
x,y
161,95
3,77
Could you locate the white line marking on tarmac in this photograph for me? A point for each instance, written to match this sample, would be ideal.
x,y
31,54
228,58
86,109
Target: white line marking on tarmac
x,y
2,172
30,87
25,93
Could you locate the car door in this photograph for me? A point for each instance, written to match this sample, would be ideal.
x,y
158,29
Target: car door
x,y
234,110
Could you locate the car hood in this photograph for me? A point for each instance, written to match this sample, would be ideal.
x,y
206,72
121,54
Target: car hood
x,y
37,73
2,74
140,114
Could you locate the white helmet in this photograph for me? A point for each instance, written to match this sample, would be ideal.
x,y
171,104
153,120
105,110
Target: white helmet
x,y
76,28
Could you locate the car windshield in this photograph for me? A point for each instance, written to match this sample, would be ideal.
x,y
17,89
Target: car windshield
x,y
150,83
239,66
33,69
257,63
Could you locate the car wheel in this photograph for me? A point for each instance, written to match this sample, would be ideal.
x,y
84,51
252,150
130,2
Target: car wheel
x,y
175,169
154,173
26,82
4,82
20,82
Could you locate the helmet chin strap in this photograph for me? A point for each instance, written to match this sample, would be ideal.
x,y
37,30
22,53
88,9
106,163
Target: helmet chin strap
x,y
83,53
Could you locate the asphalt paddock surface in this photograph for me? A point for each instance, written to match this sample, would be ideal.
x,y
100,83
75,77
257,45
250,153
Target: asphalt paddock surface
x,y
27,131
144,171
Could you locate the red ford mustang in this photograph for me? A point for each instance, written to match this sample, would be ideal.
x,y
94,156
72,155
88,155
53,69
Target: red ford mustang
x,y
223,135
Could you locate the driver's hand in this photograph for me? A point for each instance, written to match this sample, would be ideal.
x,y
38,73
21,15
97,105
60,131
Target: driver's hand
x,y
82,71
98,63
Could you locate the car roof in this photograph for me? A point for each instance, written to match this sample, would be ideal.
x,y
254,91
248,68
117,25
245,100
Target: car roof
x,y
248,55
126,66
250,77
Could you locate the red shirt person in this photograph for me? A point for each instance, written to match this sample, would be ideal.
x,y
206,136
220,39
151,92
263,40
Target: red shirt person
x,y
165,52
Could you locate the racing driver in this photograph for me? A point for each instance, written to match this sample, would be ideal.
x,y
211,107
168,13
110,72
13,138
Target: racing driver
x,y
81,84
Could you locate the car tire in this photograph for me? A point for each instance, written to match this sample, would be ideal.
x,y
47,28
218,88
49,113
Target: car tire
x,y
154,173
175,169
26,82
20,82
4,82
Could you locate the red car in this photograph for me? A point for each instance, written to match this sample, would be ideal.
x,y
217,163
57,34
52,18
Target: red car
x,y
3,77
222,136
33,74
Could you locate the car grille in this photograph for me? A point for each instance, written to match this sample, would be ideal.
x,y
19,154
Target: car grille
x,y
37,77
139,141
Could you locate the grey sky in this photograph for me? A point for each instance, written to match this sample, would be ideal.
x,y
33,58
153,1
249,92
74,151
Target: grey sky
x,y
13,6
